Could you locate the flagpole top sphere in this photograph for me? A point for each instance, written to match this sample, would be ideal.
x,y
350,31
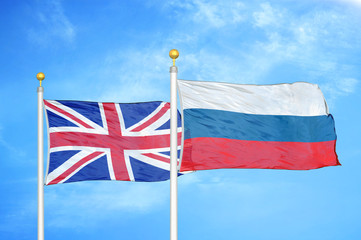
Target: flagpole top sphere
x,y
40,76
173,54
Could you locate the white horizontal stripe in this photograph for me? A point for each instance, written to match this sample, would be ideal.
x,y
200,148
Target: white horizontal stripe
x,y
149,132
300,98
154,150
78,129
79,148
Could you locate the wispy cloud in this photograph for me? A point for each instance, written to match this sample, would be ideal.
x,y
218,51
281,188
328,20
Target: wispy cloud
x,y
136,76
52,23
308,42
88,203
122,75
20,219
14,151
348,85
245,197
314,43
339,87
213,14
267,16
352,2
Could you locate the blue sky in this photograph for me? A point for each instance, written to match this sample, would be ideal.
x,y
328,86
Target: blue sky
x,y
118,51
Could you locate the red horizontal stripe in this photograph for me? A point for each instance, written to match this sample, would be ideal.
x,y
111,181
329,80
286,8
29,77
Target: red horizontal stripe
x,y
61,139
215,153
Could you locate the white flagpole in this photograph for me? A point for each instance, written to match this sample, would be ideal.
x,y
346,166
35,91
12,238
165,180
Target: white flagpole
x,y
40,76
173,148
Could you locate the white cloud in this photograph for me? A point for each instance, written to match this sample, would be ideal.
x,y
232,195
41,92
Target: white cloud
x,y
218,15
122,75
335,88
215,14
304,34
77,205
306,41
52,24
348,85
353,2
338,87
20,219
134,76
268,16
210,188
17,213
14,151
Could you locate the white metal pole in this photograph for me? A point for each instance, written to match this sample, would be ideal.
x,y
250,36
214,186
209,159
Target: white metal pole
x,y
173,149
40,91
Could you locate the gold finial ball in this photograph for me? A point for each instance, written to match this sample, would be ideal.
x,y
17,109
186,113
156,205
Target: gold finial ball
x,y
40,76
173,53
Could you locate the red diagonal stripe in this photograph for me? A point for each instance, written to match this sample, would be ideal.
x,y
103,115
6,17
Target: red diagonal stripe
x,y
52,106
157,157
114,141
162,111
75,167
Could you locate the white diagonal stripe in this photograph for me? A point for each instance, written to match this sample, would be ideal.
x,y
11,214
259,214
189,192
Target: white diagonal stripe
x,y
104,120
129,166
148,160
69,163
121,119
74,113
158,123
148,117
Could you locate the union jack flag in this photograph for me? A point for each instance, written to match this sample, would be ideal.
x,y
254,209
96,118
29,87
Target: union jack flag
x,y
108,141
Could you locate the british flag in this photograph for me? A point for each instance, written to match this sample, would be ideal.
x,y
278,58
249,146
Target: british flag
x,y
108,141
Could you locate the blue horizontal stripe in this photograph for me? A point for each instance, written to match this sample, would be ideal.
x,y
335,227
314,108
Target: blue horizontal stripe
x,y
252,127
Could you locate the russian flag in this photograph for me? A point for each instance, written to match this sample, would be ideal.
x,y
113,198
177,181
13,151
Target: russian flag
x,y
282,126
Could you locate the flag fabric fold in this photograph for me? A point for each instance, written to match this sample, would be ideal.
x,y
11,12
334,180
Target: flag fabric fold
x,y
108,141
282,126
